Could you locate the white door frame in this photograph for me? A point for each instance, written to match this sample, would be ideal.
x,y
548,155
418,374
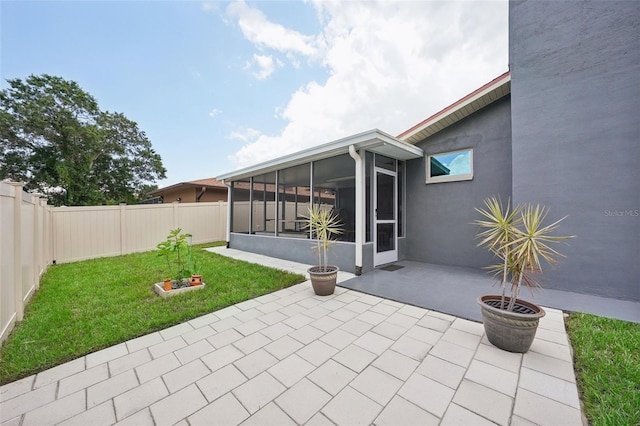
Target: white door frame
x,y
387,256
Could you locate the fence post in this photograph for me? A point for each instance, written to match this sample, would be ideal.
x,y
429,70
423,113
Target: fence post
x,y
175,214
221,232
123,228
17,253
48,224
37,242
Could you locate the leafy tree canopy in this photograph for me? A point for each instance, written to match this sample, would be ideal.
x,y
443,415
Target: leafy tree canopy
x,y
57,140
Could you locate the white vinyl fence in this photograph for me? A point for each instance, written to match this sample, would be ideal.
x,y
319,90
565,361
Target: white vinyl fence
x,y
25,250
81,233
34,235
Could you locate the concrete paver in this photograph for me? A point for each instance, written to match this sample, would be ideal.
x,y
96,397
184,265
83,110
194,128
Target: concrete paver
x,y
538,409
506,360
269,415
157,367
332,376
453,353
58,373
82,380
549,365
401,412
458,416
129,362
58,410
396,364
221,382
139,398
255,363
550,387
258,391
225,410
486,402
377,385
11,390
178,406
291,357
302,409
427,394
185,375
317,352
103,414
350,407
110,388
492,377
442,371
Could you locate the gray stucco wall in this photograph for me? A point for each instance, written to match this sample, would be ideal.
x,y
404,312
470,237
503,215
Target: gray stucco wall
x,y
341,254
575,69
439,214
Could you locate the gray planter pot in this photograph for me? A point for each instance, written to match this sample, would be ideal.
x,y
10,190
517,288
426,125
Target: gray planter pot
x,y
323,279
510,331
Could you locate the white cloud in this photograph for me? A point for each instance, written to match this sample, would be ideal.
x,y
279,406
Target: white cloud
x,y
266,65
263,33
210,6
390,65
245,135
214,112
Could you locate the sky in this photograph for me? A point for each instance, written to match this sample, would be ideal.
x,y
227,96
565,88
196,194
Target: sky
x,y
218,86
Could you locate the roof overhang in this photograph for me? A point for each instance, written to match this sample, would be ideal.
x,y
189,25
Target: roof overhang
x,y
474,101
183,185
372,140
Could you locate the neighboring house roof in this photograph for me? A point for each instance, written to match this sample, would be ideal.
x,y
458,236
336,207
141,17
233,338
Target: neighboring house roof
x,y
474,101
372,140
200,183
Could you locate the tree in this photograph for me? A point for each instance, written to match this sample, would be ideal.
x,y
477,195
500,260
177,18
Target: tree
x,y
57,140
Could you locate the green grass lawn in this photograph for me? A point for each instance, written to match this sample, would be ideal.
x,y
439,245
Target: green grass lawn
x,y
86,306
607,364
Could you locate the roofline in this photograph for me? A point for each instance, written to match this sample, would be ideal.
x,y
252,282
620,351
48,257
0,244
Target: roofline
x,y
188,184
458,105
370,138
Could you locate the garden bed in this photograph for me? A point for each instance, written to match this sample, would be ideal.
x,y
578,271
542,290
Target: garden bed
x,y
180,288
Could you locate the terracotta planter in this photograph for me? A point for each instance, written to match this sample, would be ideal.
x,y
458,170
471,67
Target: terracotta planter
x,y
323,279
167,285
196,280
511,331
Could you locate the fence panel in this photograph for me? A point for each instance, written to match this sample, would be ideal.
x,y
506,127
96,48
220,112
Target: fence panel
x,y
27,245
144,226
205,221
25,251
34,235
82,233
7,259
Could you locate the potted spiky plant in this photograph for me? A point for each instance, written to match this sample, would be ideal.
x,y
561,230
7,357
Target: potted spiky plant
x,y
522,243
323,224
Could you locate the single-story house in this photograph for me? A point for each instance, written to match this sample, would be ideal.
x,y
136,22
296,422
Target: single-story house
x,y
561,128
195,191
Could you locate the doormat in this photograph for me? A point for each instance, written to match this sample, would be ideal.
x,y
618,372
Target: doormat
x,y
391,268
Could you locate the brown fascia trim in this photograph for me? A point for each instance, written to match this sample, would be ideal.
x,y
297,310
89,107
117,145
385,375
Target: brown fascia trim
x,y
453,105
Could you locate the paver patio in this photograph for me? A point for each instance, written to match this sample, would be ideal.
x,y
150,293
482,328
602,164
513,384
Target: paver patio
x,y
291,357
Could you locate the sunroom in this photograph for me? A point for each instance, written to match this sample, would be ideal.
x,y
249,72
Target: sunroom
x,y
360,178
